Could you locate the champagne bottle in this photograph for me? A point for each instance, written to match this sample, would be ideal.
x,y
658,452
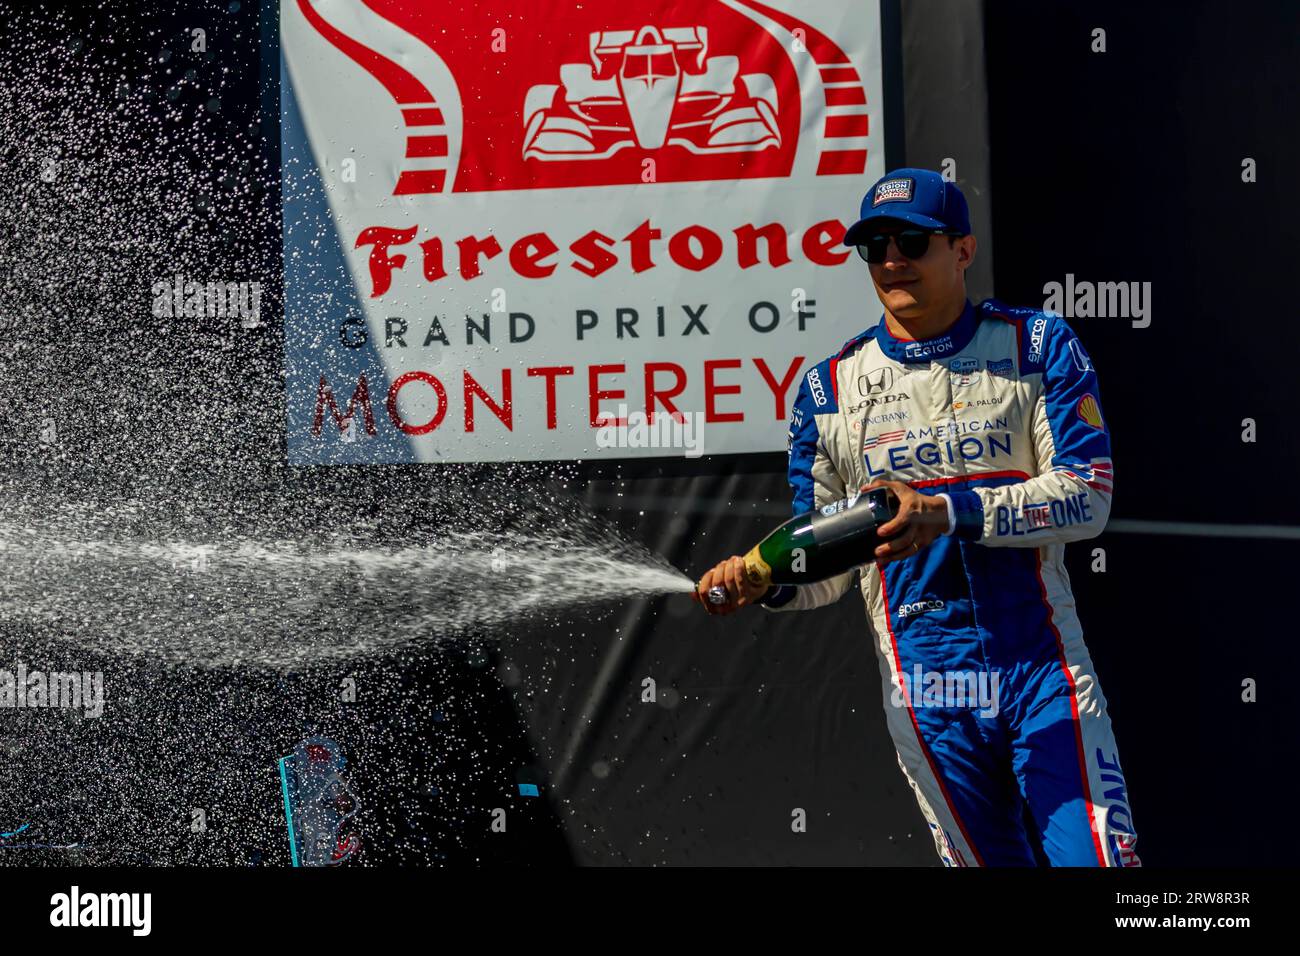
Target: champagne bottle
x,y
823,542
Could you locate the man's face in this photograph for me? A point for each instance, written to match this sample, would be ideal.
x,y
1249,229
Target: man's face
x,y
911,287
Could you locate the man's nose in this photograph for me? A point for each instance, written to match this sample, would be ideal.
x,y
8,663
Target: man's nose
x,y
894,256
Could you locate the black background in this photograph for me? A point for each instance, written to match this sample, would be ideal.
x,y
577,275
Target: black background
x,y
1127,166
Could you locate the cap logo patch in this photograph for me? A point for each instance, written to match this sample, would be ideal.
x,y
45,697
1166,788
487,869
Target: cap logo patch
x,y
893,190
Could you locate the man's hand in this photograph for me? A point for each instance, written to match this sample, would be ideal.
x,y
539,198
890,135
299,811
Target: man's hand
x,y
920,519
731,575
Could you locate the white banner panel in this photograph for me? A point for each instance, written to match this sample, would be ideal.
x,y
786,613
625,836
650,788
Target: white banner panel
x,y
515,230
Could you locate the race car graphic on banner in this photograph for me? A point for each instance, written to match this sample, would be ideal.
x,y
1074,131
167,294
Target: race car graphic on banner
x,y
559,231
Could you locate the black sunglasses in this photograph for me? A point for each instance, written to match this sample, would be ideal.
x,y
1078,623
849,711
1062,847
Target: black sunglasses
x,y
912,244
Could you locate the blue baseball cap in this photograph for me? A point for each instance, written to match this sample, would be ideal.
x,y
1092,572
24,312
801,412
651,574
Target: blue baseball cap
x,y
920,197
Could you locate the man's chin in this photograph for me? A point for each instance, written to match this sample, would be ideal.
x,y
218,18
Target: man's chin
x,y
902,304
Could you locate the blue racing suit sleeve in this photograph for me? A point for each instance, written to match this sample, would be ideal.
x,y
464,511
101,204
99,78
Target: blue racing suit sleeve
x,y
815,482
1069,498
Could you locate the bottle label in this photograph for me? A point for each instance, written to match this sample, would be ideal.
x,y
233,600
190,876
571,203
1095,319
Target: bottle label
x,y
757,570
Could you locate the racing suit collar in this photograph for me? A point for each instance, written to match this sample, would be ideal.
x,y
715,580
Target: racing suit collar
x,y
956,338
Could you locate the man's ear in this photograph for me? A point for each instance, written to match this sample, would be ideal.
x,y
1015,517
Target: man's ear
x,y
966,246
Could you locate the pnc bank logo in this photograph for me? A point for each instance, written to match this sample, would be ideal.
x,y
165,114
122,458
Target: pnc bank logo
x,y
583,95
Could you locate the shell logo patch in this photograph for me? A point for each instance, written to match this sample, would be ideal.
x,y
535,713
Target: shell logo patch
x,y
1090,411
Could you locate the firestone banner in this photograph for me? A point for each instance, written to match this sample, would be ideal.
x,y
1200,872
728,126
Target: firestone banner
x,y
557,230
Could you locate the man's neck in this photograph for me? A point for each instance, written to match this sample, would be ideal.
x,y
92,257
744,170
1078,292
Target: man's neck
x,y
931,325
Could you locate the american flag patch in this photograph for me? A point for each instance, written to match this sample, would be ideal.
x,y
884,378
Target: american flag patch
x,y
1097,474
883,437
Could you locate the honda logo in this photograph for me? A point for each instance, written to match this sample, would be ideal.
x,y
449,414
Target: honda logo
x,y
876,381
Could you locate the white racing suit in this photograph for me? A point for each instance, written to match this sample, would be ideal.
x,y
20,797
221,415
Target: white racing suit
x,y
990,696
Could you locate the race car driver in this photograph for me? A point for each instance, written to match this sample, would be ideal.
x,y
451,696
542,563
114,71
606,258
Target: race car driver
x,y
986,422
